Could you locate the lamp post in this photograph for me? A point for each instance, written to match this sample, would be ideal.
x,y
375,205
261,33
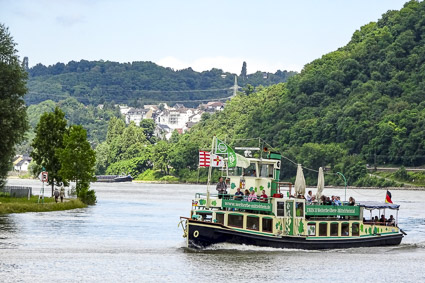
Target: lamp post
x,y
345,182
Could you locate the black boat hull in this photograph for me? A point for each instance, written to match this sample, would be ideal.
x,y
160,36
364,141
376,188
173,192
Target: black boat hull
x,y
202,234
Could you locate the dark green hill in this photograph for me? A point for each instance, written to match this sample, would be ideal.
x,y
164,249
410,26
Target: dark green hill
x,y
95,82
363,103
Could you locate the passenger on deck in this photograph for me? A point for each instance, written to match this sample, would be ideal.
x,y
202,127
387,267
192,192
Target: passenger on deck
x,y
322,200
309,197
263,197
375,219
337,201
351,201
246,195
383,220
391,221
238,194
252,196
328,201
221,188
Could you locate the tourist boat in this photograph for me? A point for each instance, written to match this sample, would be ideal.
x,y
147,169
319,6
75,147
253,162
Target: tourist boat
x,y
281,220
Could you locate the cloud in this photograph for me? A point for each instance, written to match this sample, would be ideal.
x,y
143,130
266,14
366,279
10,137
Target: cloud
x,y
227,64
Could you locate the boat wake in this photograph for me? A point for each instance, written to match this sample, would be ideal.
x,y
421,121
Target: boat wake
x,y
227,247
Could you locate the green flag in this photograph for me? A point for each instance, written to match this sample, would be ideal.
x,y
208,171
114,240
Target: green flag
x,y
222,148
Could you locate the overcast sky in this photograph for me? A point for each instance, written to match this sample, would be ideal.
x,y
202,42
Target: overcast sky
x,y
202,34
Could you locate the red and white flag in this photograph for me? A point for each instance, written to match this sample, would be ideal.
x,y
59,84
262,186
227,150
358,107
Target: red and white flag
x,y
204,158
217,161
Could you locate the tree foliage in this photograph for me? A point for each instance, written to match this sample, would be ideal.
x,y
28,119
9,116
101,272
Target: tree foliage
x,y
50,132
13,118
136,83
76,157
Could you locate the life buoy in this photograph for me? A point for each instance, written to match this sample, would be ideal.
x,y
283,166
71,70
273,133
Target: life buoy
x,y
196,233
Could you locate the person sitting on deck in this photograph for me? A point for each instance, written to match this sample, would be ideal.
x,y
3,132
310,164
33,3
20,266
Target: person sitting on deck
x,y
246,195
252,196
263,197
328,201
375,219
391,221
351,201
238,194
221,188
337,201
309,197
322,200
383,220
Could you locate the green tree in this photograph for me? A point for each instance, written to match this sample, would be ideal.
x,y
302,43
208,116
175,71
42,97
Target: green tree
x,y
77,160
13,118
148,126
50,131
160,156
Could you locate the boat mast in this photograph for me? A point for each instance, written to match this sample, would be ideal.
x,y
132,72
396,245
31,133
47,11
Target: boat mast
x,y
209,172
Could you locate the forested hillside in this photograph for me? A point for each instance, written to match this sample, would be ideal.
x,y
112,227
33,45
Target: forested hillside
x,y
363,103
136,83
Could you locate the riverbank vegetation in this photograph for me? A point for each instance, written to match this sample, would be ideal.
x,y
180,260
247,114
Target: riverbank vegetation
x,y
20,205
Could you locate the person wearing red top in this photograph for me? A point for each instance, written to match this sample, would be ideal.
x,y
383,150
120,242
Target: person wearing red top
x,y
263,197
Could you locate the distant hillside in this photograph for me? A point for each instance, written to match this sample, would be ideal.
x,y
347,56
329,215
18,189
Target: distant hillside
x,y
364,103
96,82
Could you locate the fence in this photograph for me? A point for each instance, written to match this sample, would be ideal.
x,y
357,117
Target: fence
x,y
17,191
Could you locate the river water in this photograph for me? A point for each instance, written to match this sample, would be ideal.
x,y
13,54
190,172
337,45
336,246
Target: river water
x,y
131,235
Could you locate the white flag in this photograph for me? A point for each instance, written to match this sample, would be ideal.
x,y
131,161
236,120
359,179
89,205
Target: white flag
x,y
217,161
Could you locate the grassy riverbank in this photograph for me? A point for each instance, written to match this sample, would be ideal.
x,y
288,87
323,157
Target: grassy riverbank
x,y
21,205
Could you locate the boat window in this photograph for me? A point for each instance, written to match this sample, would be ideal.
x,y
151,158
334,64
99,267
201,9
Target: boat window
x,y
267,225
334,229
266,170
206,216
323,229
344,229
253,223
355,229
280,208
311,228
235,171
219,217
300,209
235,220
250,171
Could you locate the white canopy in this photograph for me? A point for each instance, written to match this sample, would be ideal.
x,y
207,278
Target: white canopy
x,y
300,181
320,183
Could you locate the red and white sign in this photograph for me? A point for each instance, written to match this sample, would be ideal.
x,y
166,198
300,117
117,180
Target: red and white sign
x,y
44,176
204,158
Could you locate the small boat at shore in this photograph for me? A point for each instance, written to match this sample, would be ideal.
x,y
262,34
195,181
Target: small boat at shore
x,y
114,178
281,220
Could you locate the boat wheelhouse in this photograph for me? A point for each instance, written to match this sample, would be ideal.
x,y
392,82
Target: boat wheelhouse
x,y
281,220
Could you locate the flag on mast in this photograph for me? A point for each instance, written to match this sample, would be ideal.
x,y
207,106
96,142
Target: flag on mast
x,y
204,158
222,148
388,197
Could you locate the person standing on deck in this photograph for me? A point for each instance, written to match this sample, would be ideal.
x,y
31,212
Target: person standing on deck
x,y
221,188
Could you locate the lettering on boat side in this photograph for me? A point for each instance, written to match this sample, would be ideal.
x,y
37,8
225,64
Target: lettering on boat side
x,y
247,205
332,210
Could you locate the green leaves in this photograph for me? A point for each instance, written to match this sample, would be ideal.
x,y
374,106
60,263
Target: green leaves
x,y
13,118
